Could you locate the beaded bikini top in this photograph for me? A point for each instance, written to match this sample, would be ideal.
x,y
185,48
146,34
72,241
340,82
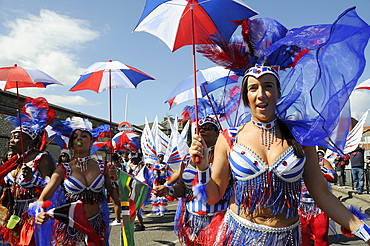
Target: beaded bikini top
x,y
257,184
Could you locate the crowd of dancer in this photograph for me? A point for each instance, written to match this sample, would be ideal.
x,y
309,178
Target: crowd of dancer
x,y
260,182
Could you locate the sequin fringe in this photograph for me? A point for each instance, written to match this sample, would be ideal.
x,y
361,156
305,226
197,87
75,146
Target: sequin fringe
x,y
67,236
269,191
309,210
189,226
87,196
237,231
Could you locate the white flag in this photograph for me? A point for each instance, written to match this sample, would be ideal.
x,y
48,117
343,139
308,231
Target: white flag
x,y
354,136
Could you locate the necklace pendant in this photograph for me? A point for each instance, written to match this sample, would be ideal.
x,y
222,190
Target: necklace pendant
x,y
268,132
81,163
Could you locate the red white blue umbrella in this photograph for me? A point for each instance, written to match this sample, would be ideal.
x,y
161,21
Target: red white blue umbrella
x,y
22,77
208,80
127,141
187,22
364,85
190,22
102,76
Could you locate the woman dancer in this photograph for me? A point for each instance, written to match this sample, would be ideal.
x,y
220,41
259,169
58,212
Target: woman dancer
x,y
83,179
194,215
268,156
160,173
267,164
25,174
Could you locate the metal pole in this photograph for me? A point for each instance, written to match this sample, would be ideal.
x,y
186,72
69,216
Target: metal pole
x,y
126,109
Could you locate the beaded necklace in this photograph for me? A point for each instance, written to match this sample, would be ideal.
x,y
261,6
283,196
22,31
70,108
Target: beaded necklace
x,y
268,132
81,163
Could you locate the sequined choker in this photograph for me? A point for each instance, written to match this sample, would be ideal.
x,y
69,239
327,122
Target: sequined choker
x,y
81,163
268,132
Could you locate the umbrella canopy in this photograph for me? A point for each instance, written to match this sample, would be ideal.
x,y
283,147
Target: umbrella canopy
x,y
173,20
208,80
102,76
127,141
13,77
364,85
21,77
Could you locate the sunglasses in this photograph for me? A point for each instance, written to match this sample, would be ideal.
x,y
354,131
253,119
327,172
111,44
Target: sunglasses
x,y
207,128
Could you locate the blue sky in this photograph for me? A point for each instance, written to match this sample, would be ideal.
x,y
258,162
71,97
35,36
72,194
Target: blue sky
x,y
63,38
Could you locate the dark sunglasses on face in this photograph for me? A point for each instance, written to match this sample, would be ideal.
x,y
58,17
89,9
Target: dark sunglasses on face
x,y
207,128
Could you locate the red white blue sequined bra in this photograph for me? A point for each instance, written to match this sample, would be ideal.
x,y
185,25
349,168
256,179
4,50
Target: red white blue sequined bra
x,y
75,190
256,184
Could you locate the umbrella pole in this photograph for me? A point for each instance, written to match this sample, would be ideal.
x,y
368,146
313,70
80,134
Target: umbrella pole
x,y
19,117
110,114
194,69
197,158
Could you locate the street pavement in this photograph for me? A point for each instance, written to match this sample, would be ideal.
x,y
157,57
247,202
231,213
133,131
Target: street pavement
x,y
159,230
348,197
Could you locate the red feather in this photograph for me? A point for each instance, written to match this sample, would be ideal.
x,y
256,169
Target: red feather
x,y
230,55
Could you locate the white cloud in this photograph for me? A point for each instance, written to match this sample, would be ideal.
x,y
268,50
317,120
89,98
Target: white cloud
x,y
71,100
60,99
48,42
360,102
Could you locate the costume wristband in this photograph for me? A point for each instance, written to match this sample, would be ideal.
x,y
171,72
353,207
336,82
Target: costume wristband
x,y
200,189
363,232
204,176
171,190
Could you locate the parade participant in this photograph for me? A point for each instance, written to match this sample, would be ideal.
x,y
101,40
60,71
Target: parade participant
x,y
314,222
267,164
340,163
193,215
6,157
269,155
357,168
63,158
113,176
159,173
25,174
83,179
124,160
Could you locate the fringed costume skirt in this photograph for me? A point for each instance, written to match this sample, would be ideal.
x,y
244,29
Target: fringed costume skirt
x,y
238,231
67,236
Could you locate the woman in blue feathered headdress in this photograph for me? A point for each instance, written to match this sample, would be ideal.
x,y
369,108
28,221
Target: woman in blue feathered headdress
x,y
292,110
25,174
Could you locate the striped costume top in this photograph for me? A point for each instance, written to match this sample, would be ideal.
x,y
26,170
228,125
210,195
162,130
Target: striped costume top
x,y
257,184
25,186
196,206
75,190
